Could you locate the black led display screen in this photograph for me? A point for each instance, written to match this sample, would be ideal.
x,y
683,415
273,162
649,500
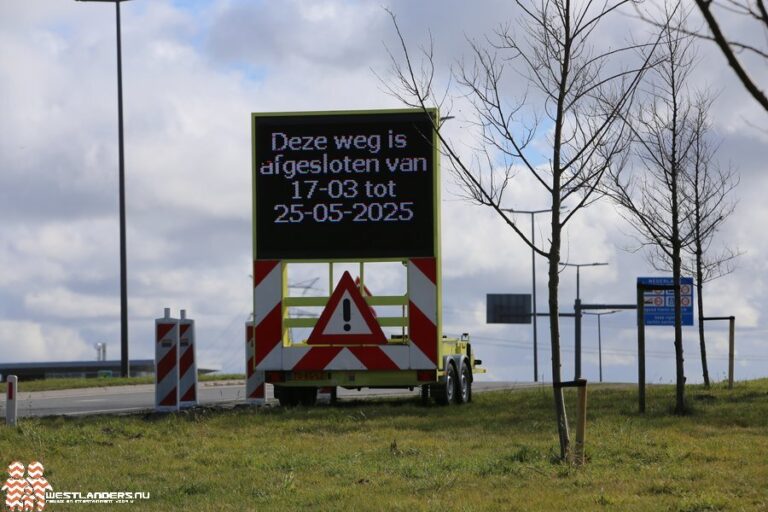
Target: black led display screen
x,y
344,186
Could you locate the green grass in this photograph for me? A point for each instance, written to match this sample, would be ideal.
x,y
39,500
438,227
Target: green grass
x,y
56,384
498,453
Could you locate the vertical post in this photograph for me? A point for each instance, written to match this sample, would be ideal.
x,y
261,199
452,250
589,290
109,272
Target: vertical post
x,y
11,408
124,360
535,318
640,349
731,343
581,425
578,284
599,347
577,348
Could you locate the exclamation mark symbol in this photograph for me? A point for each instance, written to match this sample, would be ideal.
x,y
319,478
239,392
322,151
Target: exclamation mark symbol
x,y
347,313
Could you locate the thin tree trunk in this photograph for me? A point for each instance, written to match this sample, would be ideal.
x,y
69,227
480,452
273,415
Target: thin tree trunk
x,y
676,264
679,361
699,252
700,308
556,232
676,245
554,326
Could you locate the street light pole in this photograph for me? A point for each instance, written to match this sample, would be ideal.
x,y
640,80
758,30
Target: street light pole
x,y
532,213
534,319
577,317
600,338
124,359
600,347
578,268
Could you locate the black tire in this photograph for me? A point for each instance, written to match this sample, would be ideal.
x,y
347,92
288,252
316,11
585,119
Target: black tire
x,y
464,385
445,393
307,396
334,395
425,394
288,397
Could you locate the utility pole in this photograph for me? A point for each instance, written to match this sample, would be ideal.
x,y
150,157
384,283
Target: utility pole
x,y
124,358
532,213
600,338
577,309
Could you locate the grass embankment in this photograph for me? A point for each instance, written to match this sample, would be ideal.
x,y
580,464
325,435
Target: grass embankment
x,y
56,384
497,453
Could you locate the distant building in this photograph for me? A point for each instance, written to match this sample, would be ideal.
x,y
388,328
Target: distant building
x,y
78,369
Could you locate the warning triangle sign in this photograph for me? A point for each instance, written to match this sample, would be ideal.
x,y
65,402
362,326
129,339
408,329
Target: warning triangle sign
x,y
347,319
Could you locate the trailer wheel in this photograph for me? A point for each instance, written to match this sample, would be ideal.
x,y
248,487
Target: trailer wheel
x,y
287,396
464,385
307,396
446,393
425,394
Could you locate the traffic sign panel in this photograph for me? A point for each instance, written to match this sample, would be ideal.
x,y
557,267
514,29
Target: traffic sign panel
x,y
347,319
659,305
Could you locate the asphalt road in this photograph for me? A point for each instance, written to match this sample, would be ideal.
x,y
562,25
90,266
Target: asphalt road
x,y
131,399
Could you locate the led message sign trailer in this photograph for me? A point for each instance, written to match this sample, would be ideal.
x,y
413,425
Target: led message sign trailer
x,y
344,185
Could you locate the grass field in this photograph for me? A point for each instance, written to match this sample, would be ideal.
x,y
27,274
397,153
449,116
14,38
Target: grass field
x,y
497,453
71,383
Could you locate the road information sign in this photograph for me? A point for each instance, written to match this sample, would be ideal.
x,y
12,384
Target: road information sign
x,y
659,305
508,308
345,185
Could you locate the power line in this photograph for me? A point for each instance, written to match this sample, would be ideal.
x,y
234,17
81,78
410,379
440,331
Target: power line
x,y
501,342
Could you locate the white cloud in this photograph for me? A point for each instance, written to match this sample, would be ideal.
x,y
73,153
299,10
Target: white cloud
x,y
22,341
59,302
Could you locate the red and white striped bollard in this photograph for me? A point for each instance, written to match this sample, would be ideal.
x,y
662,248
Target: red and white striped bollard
x,y
187,362
166,363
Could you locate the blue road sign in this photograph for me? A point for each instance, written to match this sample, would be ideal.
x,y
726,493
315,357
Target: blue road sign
x,y
659,305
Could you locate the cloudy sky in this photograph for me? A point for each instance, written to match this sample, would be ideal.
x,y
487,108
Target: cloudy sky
x,y
193,72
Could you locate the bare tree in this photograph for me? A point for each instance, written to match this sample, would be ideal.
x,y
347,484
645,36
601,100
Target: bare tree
x,y
741,47
709,187
652,192
733,49
581,94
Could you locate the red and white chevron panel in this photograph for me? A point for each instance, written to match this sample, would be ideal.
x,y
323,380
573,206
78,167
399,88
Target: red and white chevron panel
x,y
267,325
375,358
420,354
422,313
187,363
254,380
166,364
39,484
268,313
266,351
